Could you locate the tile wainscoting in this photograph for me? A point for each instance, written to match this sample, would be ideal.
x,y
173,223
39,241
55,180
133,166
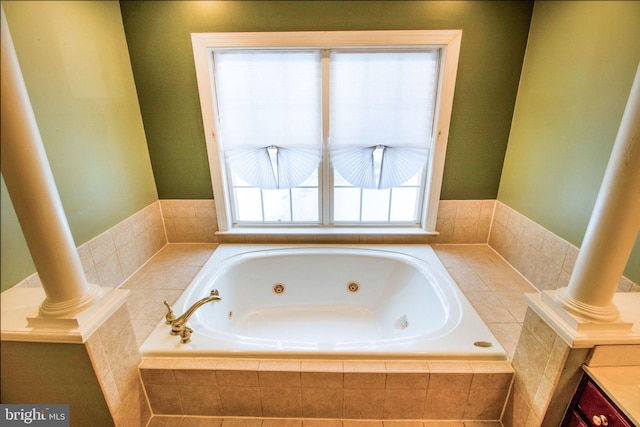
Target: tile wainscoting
x,y
110,258
542,257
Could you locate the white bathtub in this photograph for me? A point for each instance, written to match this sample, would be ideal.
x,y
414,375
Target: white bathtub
x,y
405,306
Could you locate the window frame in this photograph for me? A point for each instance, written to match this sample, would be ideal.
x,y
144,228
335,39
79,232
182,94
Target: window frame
x,y
448,41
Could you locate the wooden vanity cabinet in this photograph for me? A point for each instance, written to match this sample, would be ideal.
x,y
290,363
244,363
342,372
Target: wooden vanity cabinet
x,y
590,407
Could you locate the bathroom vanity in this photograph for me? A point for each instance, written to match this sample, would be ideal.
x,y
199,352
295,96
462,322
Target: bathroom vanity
x,y
606,396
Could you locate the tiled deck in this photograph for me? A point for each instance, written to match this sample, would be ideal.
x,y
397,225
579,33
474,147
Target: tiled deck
x,y
492,286
160,421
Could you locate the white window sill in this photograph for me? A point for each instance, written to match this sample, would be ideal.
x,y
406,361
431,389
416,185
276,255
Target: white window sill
x,y
238,231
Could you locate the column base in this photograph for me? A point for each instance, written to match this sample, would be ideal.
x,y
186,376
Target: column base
x,y
578,332
22,319
67,309
586,313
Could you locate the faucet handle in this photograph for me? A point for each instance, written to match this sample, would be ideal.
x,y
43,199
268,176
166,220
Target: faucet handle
x,y
214,293
185,335
170,316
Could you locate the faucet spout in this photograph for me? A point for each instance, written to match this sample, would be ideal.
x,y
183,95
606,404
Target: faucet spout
x,y
179,324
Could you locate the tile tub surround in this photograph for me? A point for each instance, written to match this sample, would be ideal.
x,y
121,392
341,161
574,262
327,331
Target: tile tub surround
x,y
547,372
545,259
113,256
459,221
497,292
113,351
177,421
417,390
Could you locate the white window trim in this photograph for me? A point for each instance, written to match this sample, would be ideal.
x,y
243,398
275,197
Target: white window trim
x,y
447,40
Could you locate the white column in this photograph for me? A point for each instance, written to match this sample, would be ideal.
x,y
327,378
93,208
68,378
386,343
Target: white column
x,y
613,227
35,198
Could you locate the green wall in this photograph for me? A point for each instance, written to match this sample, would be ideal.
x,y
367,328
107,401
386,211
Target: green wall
x,y
76,67
579,66
493,44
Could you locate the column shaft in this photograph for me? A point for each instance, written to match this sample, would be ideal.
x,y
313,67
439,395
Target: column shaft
x,y
33,192
614,224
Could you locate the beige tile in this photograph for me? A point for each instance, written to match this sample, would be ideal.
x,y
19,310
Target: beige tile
x,y
359,366
237,378
485,404
281,422
546,275
196,377
281,401
489,307
240,401
414,381
241,422
556,362
363,404
469,208
507,334
404,404
449,256
405,423
450,380
142,328
279,365
542,397
200,400
165,421
447,208
361,423
516,410
163,400
321,365
322,402
322,380
482,424
503,279
467,279
279,379
201,422
321,423
198,363
445,227
364,380
465,230
483,381
515,303
540,330
109,271
153,308
158,376
445,403
238,364
407,366
529,362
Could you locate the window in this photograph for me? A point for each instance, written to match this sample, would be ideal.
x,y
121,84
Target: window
x,y
326,129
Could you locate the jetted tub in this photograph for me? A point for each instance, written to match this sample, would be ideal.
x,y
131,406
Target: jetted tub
x,y
327,301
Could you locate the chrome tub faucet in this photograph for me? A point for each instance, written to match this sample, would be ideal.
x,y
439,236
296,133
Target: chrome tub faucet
x,y
179,324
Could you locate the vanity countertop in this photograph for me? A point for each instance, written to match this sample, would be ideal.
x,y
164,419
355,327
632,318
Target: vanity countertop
x,y
622,386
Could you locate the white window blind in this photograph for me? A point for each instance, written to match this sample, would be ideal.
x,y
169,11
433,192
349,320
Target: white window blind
x,y
269,115
382,112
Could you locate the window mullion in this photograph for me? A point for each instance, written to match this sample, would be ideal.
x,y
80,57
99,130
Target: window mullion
x,y
326,182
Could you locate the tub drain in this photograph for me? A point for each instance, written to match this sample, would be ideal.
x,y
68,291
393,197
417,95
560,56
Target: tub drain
x,y
485,344
278,288
353,286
